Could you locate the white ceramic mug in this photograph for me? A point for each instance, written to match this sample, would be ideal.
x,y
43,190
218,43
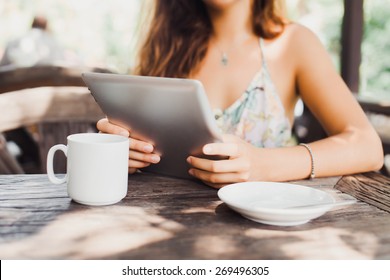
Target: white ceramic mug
x,y
97,167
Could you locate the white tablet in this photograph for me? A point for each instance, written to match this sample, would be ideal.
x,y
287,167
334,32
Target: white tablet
x,y
172,114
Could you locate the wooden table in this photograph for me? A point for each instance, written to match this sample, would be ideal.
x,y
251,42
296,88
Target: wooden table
x,y
166,218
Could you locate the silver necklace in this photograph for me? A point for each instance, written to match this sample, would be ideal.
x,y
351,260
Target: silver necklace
x,y
224,56
224,59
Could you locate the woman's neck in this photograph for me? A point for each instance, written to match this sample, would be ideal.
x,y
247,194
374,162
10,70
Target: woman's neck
x,y
232,23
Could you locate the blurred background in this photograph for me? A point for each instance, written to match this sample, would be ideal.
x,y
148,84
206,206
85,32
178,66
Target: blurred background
x,y
98,32
324,17
103,33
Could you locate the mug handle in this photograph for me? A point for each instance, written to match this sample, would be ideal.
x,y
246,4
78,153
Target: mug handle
x,y
49,164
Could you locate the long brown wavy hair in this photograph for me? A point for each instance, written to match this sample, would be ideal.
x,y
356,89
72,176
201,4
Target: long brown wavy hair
x,y
180,31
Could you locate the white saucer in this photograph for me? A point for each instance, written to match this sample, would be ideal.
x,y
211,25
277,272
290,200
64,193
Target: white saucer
x,y
269,202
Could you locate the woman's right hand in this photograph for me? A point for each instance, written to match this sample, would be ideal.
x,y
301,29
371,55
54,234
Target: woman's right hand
x,y
140,154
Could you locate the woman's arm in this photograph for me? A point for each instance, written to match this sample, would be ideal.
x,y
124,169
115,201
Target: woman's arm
x,y
353,145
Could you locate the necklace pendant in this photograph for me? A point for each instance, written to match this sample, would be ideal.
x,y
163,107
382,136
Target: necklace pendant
x,y
224,59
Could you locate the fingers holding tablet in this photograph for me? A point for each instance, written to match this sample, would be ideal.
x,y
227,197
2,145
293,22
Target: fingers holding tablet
x,y
237,165
140,154
105,126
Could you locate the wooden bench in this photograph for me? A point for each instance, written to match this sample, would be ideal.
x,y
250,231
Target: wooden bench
x,y
49,102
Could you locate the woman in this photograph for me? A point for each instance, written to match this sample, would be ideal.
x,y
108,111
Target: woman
x,y
254,66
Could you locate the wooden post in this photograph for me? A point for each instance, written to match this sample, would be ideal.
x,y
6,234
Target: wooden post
x,y
351,38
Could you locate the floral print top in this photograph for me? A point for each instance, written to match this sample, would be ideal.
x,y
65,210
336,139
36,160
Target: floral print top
x,y
258,116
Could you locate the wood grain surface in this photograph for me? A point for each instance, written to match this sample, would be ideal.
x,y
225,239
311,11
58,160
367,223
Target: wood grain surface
x,y
371,188
167,218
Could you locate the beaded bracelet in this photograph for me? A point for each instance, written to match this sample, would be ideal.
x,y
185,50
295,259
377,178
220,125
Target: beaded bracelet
x,y
312,174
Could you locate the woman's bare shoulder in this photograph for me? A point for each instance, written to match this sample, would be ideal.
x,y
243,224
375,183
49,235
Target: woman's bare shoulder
x,y
297,35
296,39
301,43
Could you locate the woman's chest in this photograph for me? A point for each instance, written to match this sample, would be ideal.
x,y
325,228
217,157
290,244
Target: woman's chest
x,y
225,84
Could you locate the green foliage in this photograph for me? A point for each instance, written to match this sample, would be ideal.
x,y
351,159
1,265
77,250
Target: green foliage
x,y
375,68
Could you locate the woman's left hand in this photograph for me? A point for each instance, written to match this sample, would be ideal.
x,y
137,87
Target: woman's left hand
x,y
239,167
